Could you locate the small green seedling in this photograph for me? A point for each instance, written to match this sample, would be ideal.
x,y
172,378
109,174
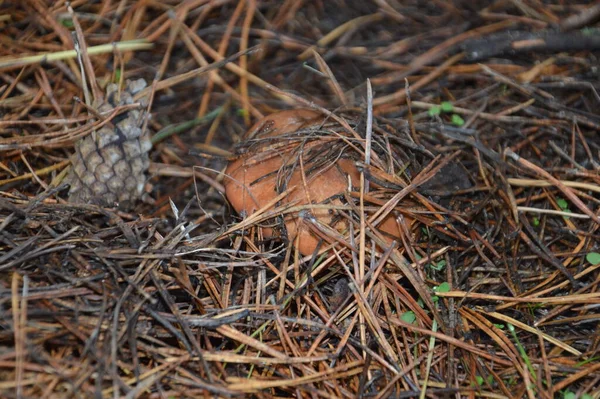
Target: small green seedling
x,y
444,287
593,258
117,75
408,317
447,106
536,221
438,266
435,110
67,23
522,351
562,204
480,380
457,120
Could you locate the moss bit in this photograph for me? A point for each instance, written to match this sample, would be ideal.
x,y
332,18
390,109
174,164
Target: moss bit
x,y
109,166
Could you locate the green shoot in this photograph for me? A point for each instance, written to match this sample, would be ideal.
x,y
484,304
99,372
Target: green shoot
x,y
408,317
457,120
446,106
434,111
438,266
562,204
521,349
593,258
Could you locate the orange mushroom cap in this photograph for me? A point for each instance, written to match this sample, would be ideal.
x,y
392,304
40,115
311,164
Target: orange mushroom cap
x,y
272,165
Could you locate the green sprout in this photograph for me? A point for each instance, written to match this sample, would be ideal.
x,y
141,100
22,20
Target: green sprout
x,y
67,23
522,351
408,317
435,110
444,287
438,266
479,379
457,120
446,106
118,75
593,258
562,204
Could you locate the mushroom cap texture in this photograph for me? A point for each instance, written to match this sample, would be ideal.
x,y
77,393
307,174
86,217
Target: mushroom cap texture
x,y
274,162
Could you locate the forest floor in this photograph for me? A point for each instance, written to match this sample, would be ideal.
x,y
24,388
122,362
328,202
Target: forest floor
x,y
472,131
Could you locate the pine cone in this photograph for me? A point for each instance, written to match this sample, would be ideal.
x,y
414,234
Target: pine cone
x,y
109,166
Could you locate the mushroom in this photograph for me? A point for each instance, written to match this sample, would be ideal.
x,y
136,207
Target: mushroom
x,y
298,152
